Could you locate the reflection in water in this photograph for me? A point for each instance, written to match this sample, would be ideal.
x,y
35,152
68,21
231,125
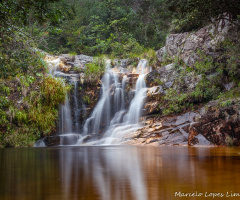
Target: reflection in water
x,y
111,171
119,172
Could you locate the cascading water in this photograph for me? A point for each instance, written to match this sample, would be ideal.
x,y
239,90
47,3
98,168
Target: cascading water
x,y
117,121
68,123
53,64
110,119
102,111
136,106
65,123
76,108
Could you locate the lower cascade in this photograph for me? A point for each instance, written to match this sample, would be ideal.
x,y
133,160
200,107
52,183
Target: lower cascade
x,y
116,114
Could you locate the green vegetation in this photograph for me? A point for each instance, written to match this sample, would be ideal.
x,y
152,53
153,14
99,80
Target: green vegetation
x,y
25,119
115,27
211,73
94,70
29,100
192,14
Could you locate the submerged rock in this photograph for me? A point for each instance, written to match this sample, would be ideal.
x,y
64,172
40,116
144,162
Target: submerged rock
x,y
69,139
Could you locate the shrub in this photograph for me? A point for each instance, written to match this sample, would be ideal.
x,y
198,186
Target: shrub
x,y
94,70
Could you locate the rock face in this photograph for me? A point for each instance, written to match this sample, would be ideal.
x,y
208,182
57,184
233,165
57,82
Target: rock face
x,y
185,45
78,61
81,60
220,125
166,131
121,62
163,78
208,126
55,140
161,75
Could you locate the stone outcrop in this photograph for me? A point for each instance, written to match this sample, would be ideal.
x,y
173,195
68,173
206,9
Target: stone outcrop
x,y
220,125
81,60
163,78
78,61
208,126
52,140
185,45
163,75
166,131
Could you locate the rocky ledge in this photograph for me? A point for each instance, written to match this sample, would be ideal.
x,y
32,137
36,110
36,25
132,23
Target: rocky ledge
x,y
208,126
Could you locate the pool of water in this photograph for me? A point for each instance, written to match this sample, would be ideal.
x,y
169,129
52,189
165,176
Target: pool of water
x,y
119,173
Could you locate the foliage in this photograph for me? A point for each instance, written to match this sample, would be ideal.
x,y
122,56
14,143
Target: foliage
x,y
53,92
87,99
22,123
192,14
205,64
180,98
94,70
112,27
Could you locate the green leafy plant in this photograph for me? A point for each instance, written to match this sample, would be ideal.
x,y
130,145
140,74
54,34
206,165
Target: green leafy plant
x,y
94,70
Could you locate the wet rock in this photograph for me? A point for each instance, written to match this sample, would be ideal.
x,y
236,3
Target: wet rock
x,y
175,130
173,139
121,62
52,140
69,77
187,117
86,138
152,108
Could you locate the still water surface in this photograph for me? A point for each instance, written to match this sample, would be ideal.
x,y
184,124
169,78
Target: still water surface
x,y
118,173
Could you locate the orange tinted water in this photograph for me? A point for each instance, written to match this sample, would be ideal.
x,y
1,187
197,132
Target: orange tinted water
x,y
119,172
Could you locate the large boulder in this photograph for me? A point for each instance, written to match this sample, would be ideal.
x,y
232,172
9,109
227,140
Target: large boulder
x,y
161,75
52,140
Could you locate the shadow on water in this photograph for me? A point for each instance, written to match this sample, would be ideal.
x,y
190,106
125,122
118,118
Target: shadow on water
x,y
117,172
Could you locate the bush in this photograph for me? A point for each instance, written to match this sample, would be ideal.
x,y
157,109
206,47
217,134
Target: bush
x,y
94,70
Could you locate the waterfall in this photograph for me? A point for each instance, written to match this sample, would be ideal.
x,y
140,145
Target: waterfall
x,y
123,91
115,115
76,108
65,123
53,65
110,110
